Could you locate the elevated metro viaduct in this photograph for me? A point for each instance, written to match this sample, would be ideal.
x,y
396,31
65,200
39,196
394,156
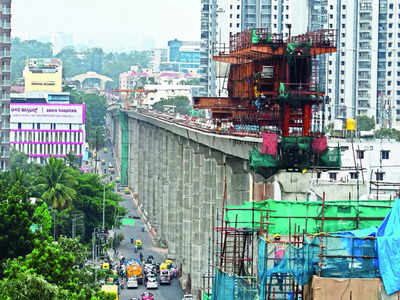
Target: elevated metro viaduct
x,y
177,174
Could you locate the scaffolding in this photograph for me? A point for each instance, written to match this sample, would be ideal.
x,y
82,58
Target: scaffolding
x,y
124,147
246,265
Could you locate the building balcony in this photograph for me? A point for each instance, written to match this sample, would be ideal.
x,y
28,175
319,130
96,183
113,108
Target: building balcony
x,y
6,25
5,83
5,126
5,112
5,53
5,140
5,68
5,154
6,39
5,98
6,10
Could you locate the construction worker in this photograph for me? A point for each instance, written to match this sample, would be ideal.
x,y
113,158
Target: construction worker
x,y
279,252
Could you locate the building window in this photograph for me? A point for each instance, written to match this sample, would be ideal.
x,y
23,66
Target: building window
x,y
360,154
354,175
38,125
333,176
318,175
379,176
19,126
385,154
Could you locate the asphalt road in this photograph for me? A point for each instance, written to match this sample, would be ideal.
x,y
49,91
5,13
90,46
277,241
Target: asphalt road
x,y
164,292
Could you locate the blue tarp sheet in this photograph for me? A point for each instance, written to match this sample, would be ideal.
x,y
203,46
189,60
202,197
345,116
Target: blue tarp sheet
x,y
388,240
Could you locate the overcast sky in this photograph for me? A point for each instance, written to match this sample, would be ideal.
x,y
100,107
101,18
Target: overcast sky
x,y
116,24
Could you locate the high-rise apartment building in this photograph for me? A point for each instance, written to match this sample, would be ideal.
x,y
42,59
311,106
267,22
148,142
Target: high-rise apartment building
x,y
5,56
221,19
363,77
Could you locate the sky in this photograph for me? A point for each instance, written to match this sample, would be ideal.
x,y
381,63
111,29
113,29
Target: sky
x,y
117,25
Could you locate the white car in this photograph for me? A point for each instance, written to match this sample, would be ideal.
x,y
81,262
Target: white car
x,y
132,283
152,283
187,297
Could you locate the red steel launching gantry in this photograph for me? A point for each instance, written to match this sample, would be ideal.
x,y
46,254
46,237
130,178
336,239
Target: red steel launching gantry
x,y
272,82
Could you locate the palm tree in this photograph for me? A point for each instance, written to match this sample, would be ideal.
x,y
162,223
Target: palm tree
x,y
57,181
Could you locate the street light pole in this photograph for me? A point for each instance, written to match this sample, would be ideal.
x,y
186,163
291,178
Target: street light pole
x,y
104,200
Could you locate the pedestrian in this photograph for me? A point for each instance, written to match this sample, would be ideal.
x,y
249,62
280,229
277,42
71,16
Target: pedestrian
x,y
141,256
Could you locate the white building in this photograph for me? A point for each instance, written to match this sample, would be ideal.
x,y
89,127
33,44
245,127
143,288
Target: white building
x,y
380,166
159,92
44,129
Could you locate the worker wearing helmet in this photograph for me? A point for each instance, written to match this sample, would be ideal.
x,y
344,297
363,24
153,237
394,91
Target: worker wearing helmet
x,y
279,252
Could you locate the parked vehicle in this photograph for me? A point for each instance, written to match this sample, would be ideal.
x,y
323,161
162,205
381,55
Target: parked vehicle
x,y
187,297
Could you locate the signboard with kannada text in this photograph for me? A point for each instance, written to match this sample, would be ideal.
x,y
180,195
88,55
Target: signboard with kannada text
x,y
47,113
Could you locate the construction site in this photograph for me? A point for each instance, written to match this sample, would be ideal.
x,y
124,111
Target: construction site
x,y
285,249
199,186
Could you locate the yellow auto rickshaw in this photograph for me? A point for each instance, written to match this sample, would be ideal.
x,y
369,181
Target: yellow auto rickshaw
x,y
105,266
163,266
139,244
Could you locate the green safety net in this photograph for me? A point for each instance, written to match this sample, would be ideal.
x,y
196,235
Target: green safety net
x,y
206,296
344,256
282,90
307,215
231,287
255,39
124,147
128,222
332,158
258,160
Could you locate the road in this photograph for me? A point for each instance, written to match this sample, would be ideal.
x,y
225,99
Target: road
x,y
164,292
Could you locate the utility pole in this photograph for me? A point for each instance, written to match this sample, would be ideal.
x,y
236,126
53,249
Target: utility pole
x,y
104,200
73,227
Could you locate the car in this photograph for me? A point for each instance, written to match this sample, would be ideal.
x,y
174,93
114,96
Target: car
x,y
165,277
110,165
151,283
146,296
105,150
187,297
132,282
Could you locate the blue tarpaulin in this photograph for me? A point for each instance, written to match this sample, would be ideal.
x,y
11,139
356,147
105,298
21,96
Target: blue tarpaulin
x,y
388,240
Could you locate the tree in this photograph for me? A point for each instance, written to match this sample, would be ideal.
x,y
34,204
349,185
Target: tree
x,y
387,133
42,217
22,50
53,267
16,238
181,103
365,123
56,181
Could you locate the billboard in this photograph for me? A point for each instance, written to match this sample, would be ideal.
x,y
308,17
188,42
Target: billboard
x,y
47,113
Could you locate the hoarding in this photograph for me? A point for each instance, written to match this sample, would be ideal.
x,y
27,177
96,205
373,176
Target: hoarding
x,y
47,113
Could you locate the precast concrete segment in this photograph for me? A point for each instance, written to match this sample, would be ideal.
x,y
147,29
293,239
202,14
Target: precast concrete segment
x,y
145,173
179,199
135,154
238,181
140,146
150,174
187,208
197,165
172,170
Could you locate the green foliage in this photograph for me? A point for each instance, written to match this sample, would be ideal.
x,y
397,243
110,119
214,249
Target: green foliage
x,y
15,221
56,182
42,217
74,63
95,107
387,133
181,103
365,123
22,50
52,269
